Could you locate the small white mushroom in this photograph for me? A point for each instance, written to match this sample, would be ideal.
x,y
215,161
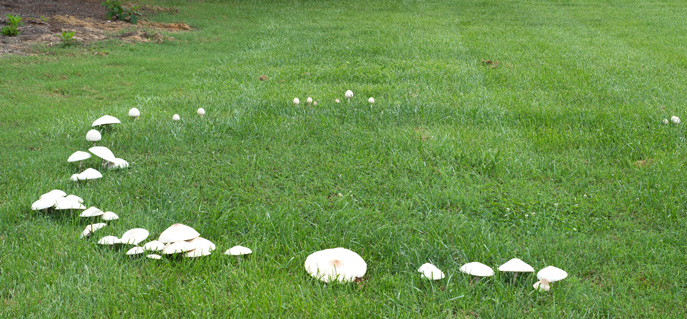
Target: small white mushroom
x,y
178,247
238,251
88,174
42,204
91,212
308,100
349,95
103,152
93,136
108,216
371,100
109,240
176,117
154,256
134,113
314,103
516,265
203,244
477,269
675,120
178,232
79,156
547,276
337,101
92,228
74,198
118,163
431,272
665,121
296,101
134,236
106,120
201,112
338,264
136,250
154,245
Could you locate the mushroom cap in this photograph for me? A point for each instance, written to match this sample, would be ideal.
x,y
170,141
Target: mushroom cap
x,y
296,101
238,251
74,177
154,256
314,103
154,245
675,119
91,212
109,240
42,204
202,244
89,174
136,250
92,228
178,232
516,265
103,152
371,100
552,274
336,101
201,111
134,236
349,94
335,264
665,121
197,253
93,136
431,272
134,112
78,156
117,163
109,216
176,117
477,269
66,203
54,194
74,198
308,100
542,285
106,120
178,247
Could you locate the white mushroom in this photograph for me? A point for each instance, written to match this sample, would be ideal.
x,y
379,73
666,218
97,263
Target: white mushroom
x,y
516,265
675,120
201,112
335,264
134,113
42,204
74,198
308,100
665,121
431,272
64,203
477,269
92,228
349,95
109,240
54,194
238,251
134,236
93,136
91,212
202,245
176,117
296,101
337,101
117,163
371,100
154,256
88,174
106,120
136,250
154,245
108,216
178,232
103,152
549,275
79,156
314,103
178,247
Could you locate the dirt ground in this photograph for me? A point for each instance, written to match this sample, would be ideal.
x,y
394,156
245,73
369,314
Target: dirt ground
x,y
44,20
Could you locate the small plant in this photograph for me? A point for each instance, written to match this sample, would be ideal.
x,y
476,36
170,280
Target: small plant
x,y
67,38
117,11
12,29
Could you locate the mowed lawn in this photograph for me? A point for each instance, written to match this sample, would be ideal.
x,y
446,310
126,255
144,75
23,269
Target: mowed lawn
x,y
555,154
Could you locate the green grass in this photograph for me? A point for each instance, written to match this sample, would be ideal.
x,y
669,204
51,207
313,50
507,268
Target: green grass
x,y
455,162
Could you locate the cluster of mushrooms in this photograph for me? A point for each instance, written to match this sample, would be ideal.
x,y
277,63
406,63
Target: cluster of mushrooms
x,y
336,264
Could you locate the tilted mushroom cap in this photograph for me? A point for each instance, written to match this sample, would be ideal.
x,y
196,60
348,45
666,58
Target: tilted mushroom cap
x,y
42,204
93,136
79,156
238,251
75,177
154,256
89,174
178,232
92,228
91,212
109,216
178,247
431,272
552,274
202,244
134,112
103,152
65,203
54,194
117,163
335,264
135,251
106,120
516,265
477,269
74,198
134,236
109,240
154,245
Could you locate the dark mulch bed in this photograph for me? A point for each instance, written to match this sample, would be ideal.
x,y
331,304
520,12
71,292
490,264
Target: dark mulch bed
x,y
48,8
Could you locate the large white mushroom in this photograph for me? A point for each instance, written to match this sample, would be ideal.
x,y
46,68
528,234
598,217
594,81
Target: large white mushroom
x,y
79,156
105,120
431,272
178,232
134,236
549,275
54,194
134,113
238,251
43,204
477,269
103,152
93,136
516,265
339,264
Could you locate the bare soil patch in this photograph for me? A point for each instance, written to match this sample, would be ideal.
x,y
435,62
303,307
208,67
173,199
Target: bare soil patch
x,y
44,20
